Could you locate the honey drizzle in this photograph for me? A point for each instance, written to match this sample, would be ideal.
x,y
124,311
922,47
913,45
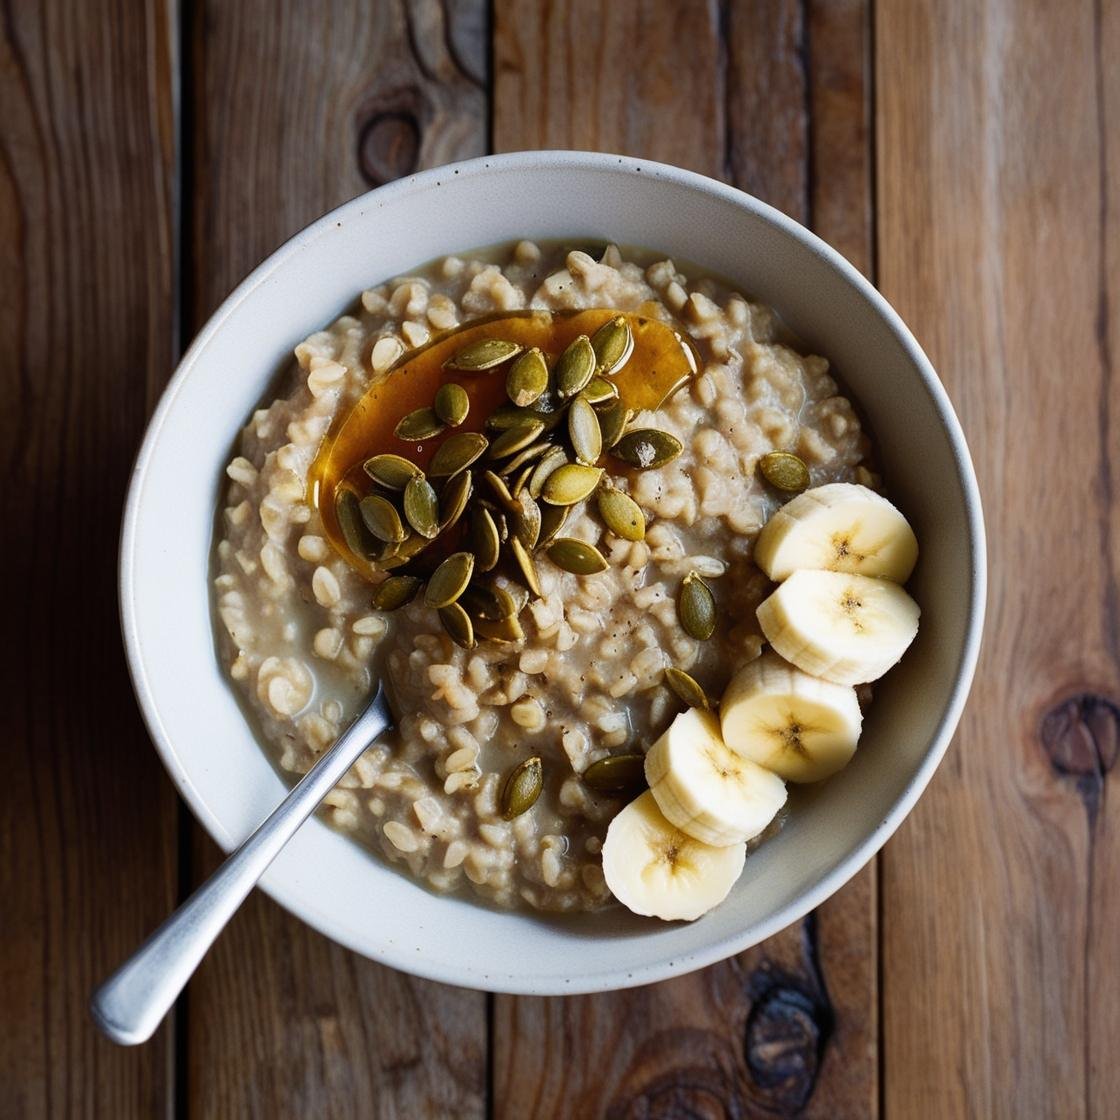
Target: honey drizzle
x,y
661,363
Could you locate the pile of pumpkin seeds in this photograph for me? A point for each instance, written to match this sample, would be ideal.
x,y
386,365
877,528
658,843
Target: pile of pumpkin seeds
x,y
512,487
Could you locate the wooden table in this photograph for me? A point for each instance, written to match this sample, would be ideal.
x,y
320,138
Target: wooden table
x,y
964,155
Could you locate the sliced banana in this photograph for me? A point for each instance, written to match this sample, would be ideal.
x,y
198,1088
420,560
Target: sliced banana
x,y
706,789
802,728
845,628
840,527
655,869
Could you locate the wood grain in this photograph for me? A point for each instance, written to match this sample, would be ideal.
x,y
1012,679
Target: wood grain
x,y
999,195
297,108
789,1027
87,831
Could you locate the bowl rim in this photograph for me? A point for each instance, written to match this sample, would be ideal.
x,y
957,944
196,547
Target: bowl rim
x,y
859,856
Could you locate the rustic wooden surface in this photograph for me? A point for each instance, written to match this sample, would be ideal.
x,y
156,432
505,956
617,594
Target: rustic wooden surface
x,y
964,154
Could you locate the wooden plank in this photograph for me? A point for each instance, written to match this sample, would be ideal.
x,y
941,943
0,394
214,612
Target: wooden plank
x,y
791,1025
999,196
296,108
87,835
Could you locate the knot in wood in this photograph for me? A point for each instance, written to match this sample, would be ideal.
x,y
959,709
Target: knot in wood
x,y
682,1094
389,146
785,1035
1081,736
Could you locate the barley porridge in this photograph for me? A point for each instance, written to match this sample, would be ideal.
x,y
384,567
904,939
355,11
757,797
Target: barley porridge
x,y
595,665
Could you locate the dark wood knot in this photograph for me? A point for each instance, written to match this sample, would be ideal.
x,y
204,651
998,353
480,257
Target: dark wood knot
x,y
683,1094
785,1038
389,146
1081,737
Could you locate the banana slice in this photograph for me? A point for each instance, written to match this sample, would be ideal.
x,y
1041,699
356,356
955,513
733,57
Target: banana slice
x,y
655,869
840,527
845,628
706,789
802,728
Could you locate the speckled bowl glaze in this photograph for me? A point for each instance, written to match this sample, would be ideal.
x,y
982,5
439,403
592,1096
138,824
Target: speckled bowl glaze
x,y
209,749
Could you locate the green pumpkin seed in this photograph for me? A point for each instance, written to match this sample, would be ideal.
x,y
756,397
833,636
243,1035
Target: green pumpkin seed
x,y
552,521
526,455
381,518
392,594
391,471
576,556
484,354
599,391
452,404
515,439
575,367
520,481
612,423
421,507
508,416
453,500
621,514
498,485
584,432
456,454
646,448
516,592
419,425
570,483
484,538
686,688
458,625
527,378
358,538
696,608
785,471
525,563
613,344
402,553
552,461
449,580
489,601
505,630
616,775
527,521
522,788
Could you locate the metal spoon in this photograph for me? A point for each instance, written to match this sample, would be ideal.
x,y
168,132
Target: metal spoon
x,y
132,1002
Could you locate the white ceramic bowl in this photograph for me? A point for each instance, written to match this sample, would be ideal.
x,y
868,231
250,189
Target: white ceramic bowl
x,y
198,728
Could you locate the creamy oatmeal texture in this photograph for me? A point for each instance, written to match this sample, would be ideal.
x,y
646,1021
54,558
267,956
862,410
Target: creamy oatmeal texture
x,y
303,644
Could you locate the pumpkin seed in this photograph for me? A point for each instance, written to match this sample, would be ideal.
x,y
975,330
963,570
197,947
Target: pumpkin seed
x,y
354,532
584,432
484,538
402,553
616,775
458,625
505,630
456,454
621,514
599,391
645,448
575,367
525,563
520,481
508,416
527,378
570,483
449,580
552,461
696,608
612,423
552,521
452,404
515,439
498,485
785,471
522,788
391,471
613,344
489,601
526,521
419,425
576,556
516,592
484,354
526,455
392,593
453,500
381,518
686,688
421,507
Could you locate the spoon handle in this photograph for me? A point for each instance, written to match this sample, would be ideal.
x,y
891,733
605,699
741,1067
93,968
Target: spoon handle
x,y
131,1003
